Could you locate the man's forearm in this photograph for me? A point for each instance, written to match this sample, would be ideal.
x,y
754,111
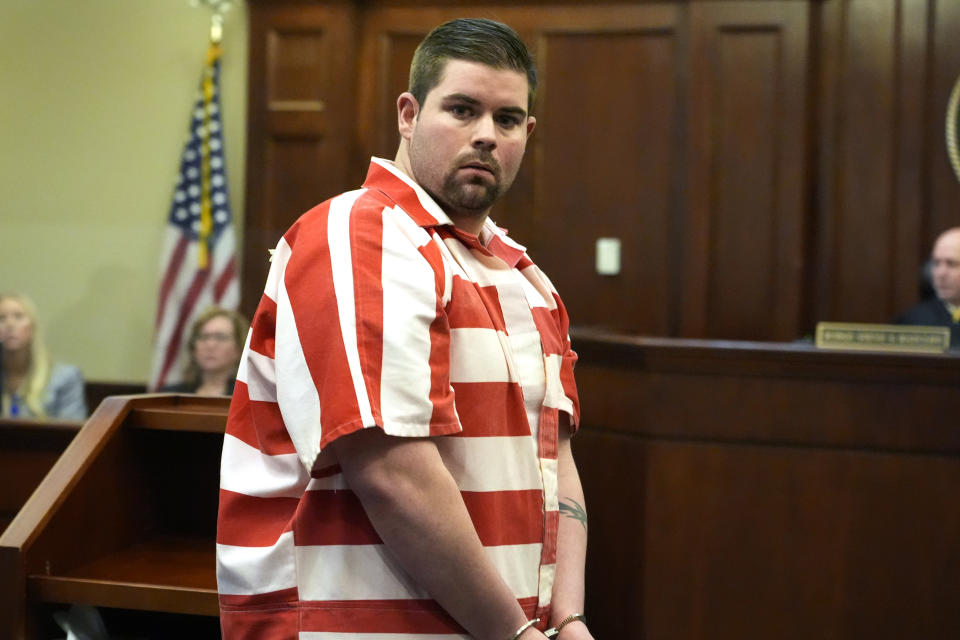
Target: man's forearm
x,y
416,508
568,588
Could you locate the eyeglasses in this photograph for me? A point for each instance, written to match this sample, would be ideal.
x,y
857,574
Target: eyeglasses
x,y
215,336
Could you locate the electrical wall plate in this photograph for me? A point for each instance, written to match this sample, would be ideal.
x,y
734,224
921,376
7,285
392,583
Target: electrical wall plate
x,y
608,256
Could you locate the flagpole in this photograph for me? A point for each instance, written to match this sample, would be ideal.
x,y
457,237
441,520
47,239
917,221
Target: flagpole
x,y
198,263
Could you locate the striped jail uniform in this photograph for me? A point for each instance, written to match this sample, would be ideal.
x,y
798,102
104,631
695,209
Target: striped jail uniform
x,y
378,312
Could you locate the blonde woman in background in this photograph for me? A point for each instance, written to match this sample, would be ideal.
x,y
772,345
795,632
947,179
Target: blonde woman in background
x,y
215,345
33,385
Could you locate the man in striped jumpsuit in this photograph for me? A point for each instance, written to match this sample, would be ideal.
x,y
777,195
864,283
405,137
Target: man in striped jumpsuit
x,y
397,460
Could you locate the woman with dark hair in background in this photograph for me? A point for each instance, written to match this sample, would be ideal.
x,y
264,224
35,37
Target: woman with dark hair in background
x,y
33,385
215,345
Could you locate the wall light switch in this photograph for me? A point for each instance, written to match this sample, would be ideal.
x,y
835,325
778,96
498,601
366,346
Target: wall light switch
x,y
608,256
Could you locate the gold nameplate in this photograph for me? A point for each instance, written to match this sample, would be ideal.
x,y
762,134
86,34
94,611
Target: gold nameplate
x,y
882,337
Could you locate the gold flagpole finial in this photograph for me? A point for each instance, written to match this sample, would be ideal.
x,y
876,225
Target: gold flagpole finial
x,y
216,28
219,7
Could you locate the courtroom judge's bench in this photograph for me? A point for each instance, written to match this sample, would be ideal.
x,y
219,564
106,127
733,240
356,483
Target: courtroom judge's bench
x,y
735,490
742,490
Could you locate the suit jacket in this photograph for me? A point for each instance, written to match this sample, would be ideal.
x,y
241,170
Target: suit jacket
x,y
932,312
63,397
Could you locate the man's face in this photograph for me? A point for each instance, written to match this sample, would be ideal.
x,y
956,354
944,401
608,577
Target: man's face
x,y
946,267
469,136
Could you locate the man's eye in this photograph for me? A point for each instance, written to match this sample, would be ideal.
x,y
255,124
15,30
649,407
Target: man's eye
x,y
460,110
508,122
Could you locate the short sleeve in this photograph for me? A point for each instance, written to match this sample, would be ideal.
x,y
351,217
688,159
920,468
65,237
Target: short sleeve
x,y
360,328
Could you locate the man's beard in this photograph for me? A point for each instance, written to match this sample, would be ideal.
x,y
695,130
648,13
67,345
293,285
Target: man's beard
x,y
474,194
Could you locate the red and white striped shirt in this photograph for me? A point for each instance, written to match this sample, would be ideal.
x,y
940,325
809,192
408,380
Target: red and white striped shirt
x,y
378,312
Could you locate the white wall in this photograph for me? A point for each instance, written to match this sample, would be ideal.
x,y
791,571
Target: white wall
x,y
95,98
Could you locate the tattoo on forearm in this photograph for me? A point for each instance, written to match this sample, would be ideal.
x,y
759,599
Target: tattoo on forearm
x,y
573,509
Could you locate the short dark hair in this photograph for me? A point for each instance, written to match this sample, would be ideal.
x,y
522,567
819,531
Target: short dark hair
x,y
473,39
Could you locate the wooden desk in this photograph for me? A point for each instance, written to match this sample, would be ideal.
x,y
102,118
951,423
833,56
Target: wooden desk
x,y
746,490
126,518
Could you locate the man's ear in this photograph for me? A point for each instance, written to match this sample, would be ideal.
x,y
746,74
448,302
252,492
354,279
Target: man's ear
x,y
531,123
407,111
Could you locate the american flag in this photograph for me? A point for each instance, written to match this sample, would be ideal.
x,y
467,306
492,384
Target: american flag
x,y
198,264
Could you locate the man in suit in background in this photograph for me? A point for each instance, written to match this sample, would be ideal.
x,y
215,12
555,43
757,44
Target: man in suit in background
x,y
943,309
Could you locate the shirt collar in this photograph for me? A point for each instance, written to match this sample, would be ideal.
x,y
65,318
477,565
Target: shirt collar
x,y
386,177
496,241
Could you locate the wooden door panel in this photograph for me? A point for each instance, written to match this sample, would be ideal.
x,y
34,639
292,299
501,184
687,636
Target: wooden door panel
x,y
746,171
604,165
301,96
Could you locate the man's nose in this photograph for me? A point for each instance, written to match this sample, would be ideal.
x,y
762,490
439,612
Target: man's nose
x,y
485,133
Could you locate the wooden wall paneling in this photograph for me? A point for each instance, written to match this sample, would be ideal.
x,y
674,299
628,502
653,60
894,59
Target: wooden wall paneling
x,y
865,154
301,105
913,85
386,54
785,542
874,157
943,187
746,167
741,216
614,180
825,27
